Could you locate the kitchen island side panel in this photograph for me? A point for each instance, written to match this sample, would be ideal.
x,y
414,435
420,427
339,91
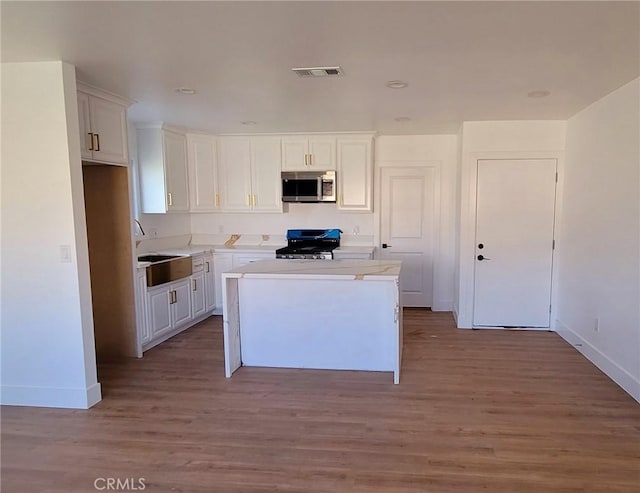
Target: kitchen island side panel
x,y
319,323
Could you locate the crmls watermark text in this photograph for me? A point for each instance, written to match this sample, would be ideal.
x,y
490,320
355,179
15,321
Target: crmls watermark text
x,y
119,484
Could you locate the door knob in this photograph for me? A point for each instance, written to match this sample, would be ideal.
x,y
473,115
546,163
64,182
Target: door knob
x,y
384,245
482,257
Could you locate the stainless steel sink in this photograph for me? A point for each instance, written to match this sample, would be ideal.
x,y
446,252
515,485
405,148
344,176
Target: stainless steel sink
x,y
166,268
156,257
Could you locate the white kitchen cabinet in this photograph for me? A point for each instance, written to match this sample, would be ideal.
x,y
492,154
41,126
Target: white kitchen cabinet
x,y
203,173
209,284
103,127
144,334
169,306
266,185
308,153
354,175
198,290
250,174
222,262
162,162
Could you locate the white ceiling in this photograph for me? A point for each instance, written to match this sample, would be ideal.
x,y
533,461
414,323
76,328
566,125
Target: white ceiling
x,y
462,60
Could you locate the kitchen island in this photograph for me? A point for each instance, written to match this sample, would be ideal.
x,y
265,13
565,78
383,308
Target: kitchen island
x,y
322,314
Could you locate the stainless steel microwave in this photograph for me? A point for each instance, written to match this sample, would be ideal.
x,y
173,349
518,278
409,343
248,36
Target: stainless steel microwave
x,y
309,186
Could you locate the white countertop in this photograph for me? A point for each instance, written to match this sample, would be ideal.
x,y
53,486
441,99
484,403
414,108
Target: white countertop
x,y
319,269
201,249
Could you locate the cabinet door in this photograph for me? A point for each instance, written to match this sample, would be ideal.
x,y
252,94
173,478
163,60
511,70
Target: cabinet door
x,y
266,194
198,290
158,301
354,174
203,173
182,302
109,122
235,173
294,153
84,120
222,262
322,152
209,284
144,334
175,162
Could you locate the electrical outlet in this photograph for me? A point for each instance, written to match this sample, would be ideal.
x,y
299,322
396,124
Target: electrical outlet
x,y
153,233
356,230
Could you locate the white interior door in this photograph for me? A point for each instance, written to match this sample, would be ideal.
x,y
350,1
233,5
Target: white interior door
x,y
407,205
514,238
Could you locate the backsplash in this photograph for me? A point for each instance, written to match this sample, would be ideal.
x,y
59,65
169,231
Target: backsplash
x,y
164,231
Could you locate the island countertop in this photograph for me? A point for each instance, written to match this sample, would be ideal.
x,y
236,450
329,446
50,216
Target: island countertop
x,y
319,269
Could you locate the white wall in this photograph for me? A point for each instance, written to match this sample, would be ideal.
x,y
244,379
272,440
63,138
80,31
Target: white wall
x,y
599,243
438,151
496,140
48,355
298,216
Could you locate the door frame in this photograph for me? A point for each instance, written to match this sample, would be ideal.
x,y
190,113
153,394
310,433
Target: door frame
x,y
465,282
436,303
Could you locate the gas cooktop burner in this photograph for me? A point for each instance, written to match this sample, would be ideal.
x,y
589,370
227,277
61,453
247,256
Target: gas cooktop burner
x,y
317,244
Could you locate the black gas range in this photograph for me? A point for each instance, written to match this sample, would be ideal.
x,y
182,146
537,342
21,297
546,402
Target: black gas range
x,y
310,244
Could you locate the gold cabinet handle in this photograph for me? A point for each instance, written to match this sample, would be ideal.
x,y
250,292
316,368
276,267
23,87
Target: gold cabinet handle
x,y
310,159
175,296
97,142
195,284
306,159
255,200
172,297
90,141
217,200
208,268
170,198
248,199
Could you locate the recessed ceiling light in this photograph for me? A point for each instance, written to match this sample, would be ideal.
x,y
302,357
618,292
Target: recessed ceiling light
x,y
539,94
248,122
396,84
402,119
187,91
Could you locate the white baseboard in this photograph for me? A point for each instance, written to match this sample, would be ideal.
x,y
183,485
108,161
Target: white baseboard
x,y
50,396
619,375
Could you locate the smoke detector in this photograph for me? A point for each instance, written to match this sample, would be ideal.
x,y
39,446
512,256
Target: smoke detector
x,y
318,71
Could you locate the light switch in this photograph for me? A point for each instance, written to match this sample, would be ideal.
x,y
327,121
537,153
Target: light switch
x,y
65,254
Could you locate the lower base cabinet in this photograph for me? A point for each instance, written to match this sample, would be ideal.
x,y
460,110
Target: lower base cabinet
x,y
198,291
209,284
169,306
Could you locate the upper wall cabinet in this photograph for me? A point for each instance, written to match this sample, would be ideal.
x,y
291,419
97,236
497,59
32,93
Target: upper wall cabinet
x,y
204,195
103,126
355,171
250,174
162,161
308,153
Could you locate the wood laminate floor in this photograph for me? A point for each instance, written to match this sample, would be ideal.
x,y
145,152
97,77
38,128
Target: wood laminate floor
x,y
494,411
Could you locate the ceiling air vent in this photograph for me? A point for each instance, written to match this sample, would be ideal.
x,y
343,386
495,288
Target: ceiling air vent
x,y
318,71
